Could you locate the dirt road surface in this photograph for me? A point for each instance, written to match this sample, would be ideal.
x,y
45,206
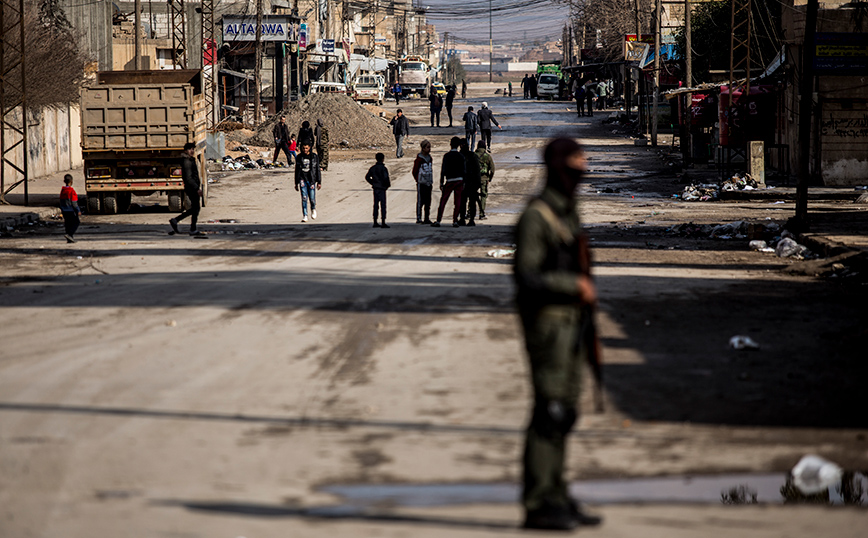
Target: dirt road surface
x,y
277,378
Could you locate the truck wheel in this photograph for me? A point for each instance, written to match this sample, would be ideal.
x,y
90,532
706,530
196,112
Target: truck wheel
x,y
110,204
176,200
93,204
421,94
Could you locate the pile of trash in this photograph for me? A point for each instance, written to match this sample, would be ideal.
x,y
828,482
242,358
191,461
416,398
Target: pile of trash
x,y
763,236
740,183
348,123
710,192
245,162
699,193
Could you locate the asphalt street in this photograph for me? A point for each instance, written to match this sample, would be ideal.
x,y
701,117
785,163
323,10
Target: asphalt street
x,y
277,378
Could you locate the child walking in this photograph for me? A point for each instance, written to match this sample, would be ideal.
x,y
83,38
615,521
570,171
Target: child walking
x,y
69,208
423,173
378,177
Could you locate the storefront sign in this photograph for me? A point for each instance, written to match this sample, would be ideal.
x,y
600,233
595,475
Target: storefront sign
x,y
302,36
243,28
842,54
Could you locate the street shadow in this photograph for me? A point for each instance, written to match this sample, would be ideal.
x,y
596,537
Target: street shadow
x,y
336,513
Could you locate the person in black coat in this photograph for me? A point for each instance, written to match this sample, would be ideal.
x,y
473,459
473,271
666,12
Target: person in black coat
x,y
378,177
450,96
472,184
281,140
192,189
308,179
305,135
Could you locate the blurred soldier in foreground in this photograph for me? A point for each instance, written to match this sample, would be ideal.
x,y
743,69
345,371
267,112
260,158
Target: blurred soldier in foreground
x,y
554,293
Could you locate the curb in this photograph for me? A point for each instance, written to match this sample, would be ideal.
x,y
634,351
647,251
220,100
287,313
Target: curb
x,y
20,219
857,258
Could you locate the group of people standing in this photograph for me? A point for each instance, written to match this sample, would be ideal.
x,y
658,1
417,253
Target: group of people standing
x,y
464,176
587,93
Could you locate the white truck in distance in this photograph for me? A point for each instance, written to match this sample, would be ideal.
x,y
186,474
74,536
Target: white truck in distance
x,y
413,77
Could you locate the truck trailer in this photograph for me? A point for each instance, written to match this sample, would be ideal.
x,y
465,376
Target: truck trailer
x,y
134,125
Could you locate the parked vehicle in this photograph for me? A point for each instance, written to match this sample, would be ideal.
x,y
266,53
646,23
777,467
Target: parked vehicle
x,y
370,88
548,86
413,76
439,88
134,126
328,87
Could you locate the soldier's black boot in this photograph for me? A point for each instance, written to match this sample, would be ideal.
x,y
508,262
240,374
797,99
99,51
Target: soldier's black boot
x,y
582,517
552,518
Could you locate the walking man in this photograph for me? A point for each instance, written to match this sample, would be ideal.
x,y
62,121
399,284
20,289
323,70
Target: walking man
x,y
463,89
589,97
450,96
396,91
579,96
69,209
423,173
470,192
378,178
554,290
486,118
281,140
308,180
192,190
525,87
451,182
510,88
400,128
486,173
471,124
602,91
436,106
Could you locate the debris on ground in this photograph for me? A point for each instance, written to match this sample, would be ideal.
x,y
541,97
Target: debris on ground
x,y
813,474
344,118
699,193
740,183
742,342
245,162
501,253
740,229
789,248
760,246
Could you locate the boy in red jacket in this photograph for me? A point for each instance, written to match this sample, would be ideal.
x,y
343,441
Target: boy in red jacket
x,y
69,208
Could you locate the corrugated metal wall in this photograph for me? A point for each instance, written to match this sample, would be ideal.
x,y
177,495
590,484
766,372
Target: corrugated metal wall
x,y
92,21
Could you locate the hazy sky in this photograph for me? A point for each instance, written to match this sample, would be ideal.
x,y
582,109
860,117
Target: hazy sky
x,y
542,22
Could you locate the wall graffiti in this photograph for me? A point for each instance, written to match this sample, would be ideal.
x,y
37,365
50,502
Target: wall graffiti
x,y
845,127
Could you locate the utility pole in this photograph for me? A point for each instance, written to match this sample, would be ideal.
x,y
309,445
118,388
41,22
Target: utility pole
x,y
658,21
806,106
257,67
688,81
138,62
490,46
13,95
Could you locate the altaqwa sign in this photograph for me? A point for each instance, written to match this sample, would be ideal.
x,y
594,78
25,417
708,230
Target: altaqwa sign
x,y
243,28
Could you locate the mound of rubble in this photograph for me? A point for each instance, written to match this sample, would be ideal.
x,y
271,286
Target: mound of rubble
x,y
711,192
348,123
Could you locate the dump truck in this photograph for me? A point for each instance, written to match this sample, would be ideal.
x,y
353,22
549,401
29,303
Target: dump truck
x,y
414,76
134,125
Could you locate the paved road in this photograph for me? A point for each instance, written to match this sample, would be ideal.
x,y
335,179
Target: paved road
x,y
231,386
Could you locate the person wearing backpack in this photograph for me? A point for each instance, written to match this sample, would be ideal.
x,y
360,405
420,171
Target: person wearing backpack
x,y
423,174
436,106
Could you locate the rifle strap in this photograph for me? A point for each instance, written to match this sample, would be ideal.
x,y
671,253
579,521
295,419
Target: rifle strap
x,y
548,215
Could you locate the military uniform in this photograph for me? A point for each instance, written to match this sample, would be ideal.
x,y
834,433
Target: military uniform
x,y
486,170
547,268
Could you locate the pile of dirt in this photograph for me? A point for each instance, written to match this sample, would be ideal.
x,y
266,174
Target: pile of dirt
x,y
345,120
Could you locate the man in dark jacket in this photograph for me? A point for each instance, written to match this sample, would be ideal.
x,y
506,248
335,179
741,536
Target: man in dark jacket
x,y
281,140
308,179
378,177
554,293
436,106
451,181
305,135
472,181
450,96
192,189
525,86
486,118
471,125
400,128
